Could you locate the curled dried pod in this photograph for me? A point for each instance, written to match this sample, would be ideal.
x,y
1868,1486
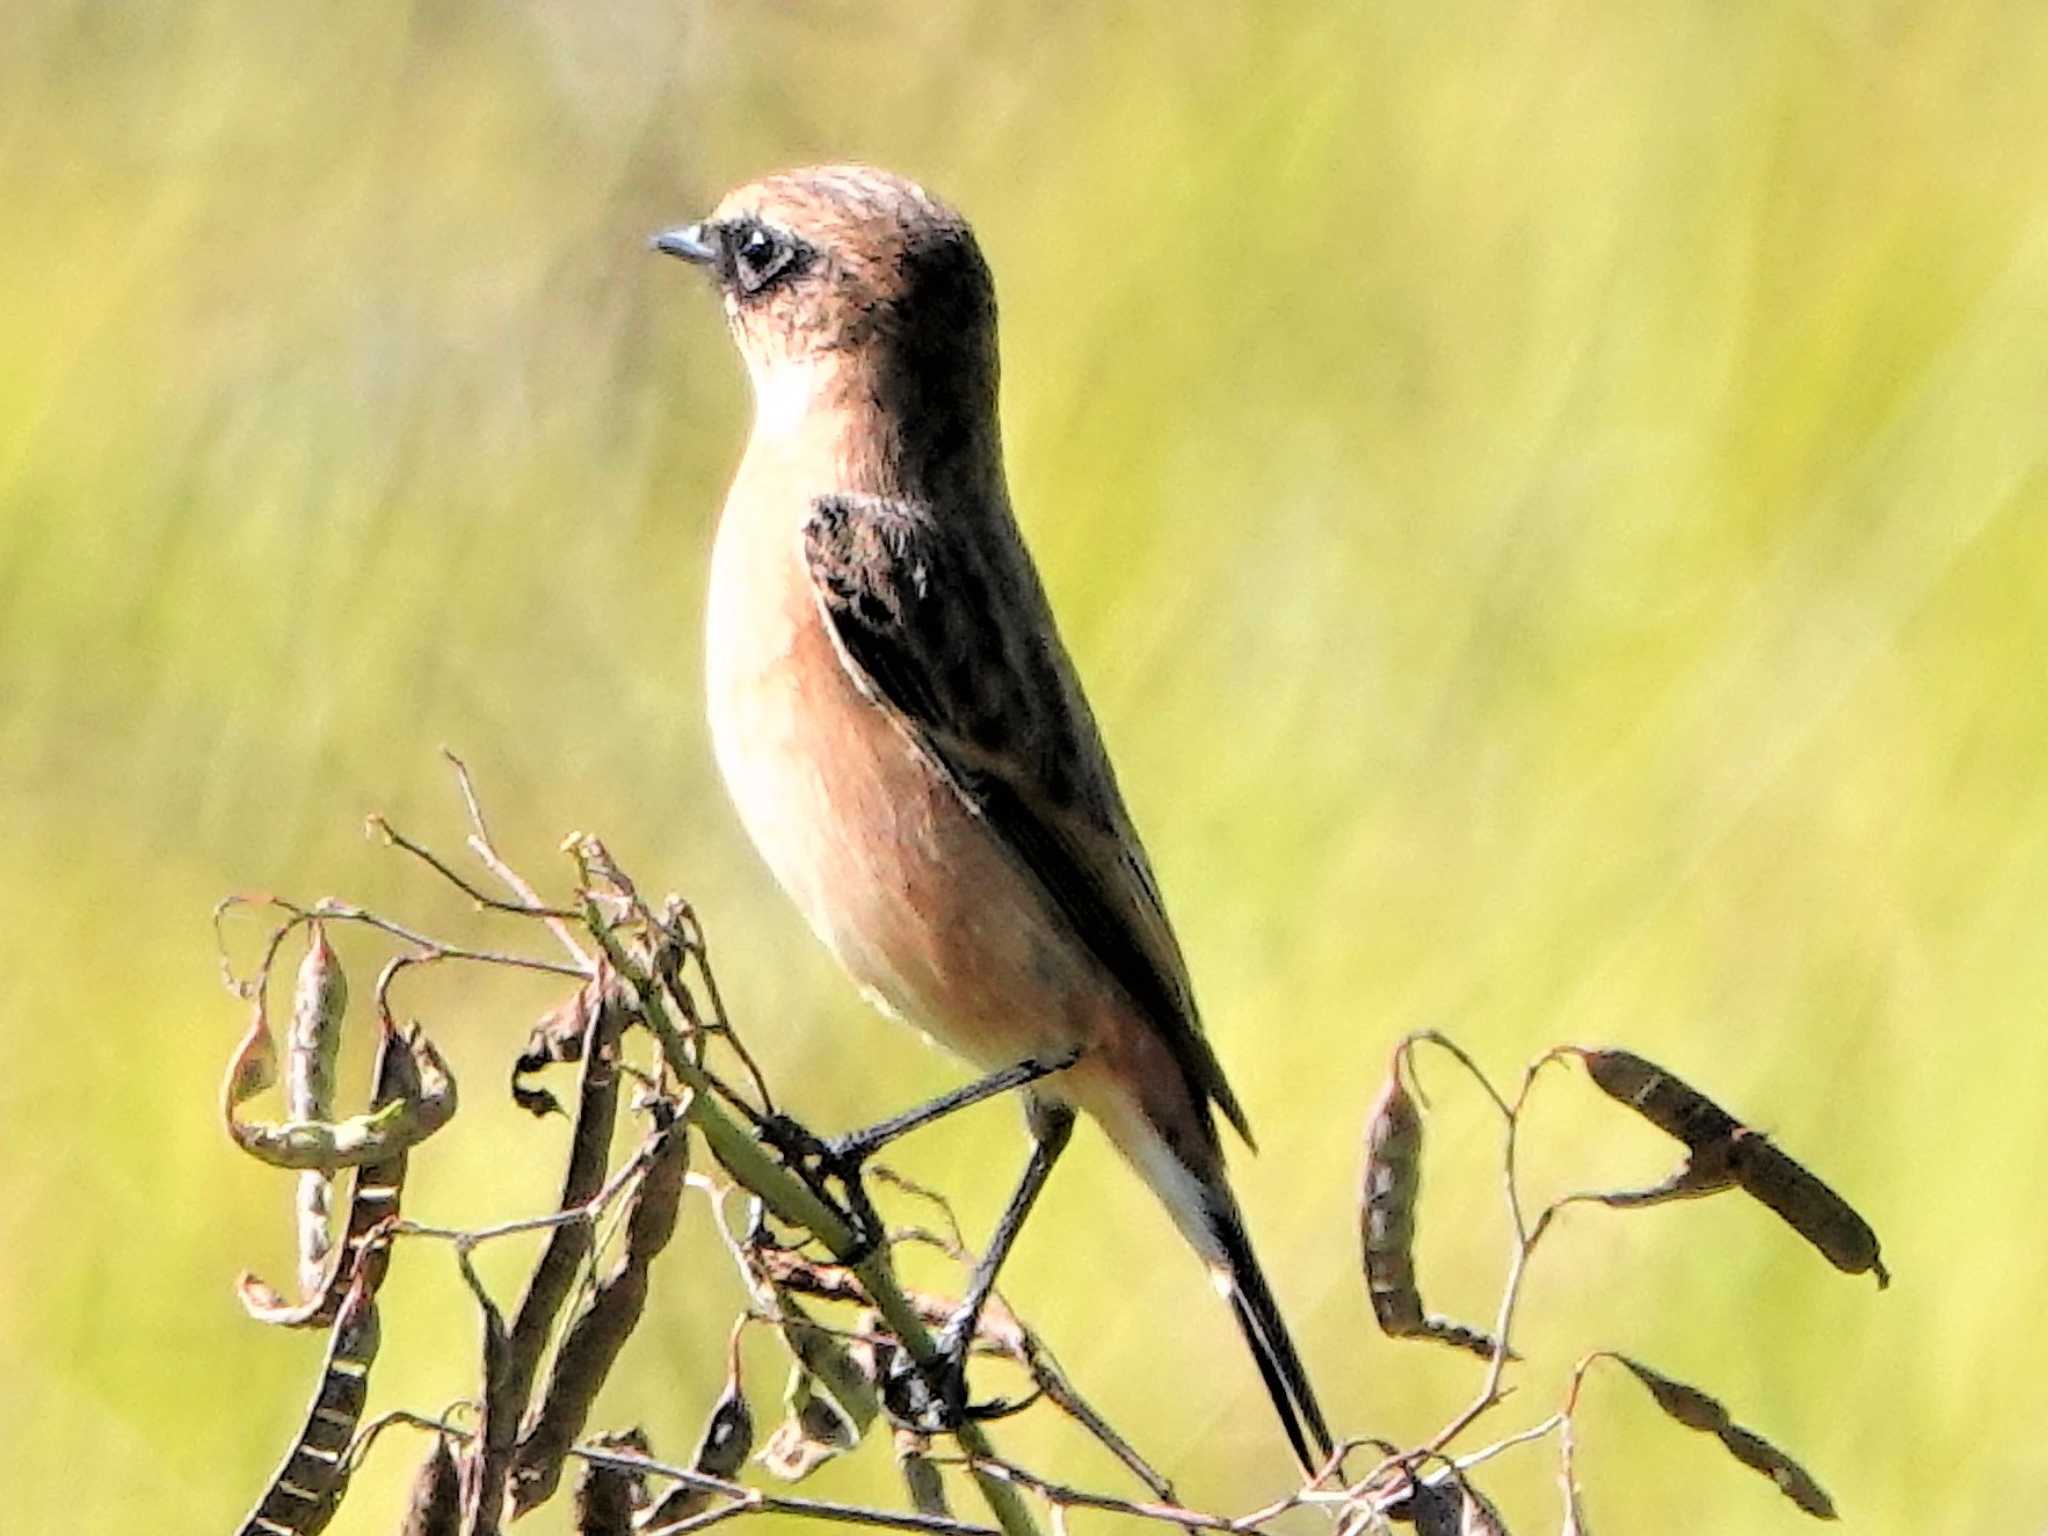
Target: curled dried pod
x,y
1386,1207
557,1038
1808,1205
402,1066
1388,1190
1448,1506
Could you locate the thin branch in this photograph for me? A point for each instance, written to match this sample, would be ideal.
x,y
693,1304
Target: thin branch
x,y
484,848
748,1501
793,1202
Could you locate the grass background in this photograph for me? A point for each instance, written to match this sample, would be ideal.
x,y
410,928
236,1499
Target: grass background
x,y
1550,505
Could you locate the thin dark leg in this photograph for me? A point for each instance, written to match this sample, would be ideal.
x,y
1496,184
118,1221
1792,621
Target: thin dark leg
x,y
1052,1125
839,1159
858,1146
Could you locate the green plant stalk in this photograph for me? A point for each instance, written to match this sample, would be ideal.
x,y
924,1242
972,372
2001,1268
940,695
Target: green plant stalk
x,y
795,1204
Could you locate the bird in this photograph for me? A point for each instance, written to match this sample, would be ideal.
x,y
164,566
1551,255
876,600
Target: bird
x,y
904,735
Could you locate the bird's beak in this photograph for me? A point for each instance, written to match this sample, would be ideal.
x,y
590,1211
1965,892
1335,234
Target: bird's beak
x,y
692,242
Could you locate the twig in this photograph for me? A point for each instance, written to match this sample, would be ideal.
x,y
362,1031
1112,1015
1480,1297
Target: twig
x,y
480,843
793,1202
748,1501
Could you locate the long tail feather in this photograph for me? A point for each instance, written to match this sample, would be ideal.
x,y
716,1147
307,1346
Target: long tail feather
x,y
1258,1316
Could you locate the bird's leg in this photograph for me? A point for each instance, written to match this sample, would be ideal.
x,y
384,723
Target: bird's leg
x,y
820,1161
856,1147
944,1403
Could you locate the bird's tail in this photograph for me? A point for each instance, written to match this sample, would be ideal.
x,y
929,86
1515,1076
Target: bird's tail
x,y
1243,1284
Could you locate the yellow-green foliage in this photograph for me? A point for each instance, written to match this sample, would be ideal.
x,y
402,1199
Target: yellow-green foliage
x,y
1548,500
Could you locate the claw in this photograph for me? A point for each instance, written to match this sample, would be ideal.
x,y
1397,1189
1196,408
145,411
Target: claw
x,y
821,1163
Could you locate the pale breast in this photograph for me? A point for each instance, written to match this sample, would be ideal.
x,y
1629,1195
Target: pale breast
x,y
906,886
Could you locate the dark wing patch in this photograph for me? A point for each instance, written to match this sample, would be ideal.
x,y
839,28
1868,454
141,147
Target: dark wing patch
x,y
909,605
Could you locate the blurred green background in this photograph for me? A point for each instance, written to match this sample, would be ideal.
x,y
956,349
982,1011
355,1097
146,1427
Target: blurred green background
x,y
1549,502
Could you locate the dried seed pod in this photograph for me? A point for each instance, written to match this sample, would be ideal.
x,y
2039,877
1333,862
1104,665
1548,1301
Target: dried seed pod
x,y
1451,1506
1698,1410
816,1430
1793,1480
728,1438
436,1507
1665,1101
1726,1153
608,1498
330,1145
312,1048
1386,1207
1388,1189
1705,1172
1687,1404
921,1475
597,1332
306,1490
313,1043
834,1367
252,1068
373,1199
1808,1206
727,1442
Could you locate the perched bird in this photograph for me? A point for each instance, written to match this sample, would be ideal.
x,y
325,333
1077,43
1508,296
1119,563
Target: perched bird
x,y
902,731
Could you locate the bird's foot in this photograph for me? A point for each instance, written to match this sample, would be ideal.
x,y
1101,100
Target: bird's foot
x,y
932,1397
823,1163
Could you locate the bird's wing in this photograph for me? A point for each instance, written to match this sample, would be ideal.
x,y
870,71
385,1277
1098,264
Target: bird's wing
x,y
953,637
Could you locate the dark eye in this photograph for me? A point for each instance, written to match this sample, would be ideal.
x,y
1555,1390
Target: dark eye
x,y
758,256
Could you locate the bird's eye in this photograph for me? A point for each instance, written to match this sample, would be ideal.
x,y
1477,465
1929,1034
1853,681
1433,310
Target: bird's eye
x,y
758,257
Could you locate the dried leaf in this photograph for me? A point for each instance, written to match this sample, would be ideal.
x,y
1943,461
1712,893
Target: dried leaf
x,y
557,1037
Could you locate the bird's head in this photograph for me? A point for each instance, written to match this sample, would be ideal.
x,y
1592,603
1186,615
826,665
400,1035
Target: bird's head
x,y
846,270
